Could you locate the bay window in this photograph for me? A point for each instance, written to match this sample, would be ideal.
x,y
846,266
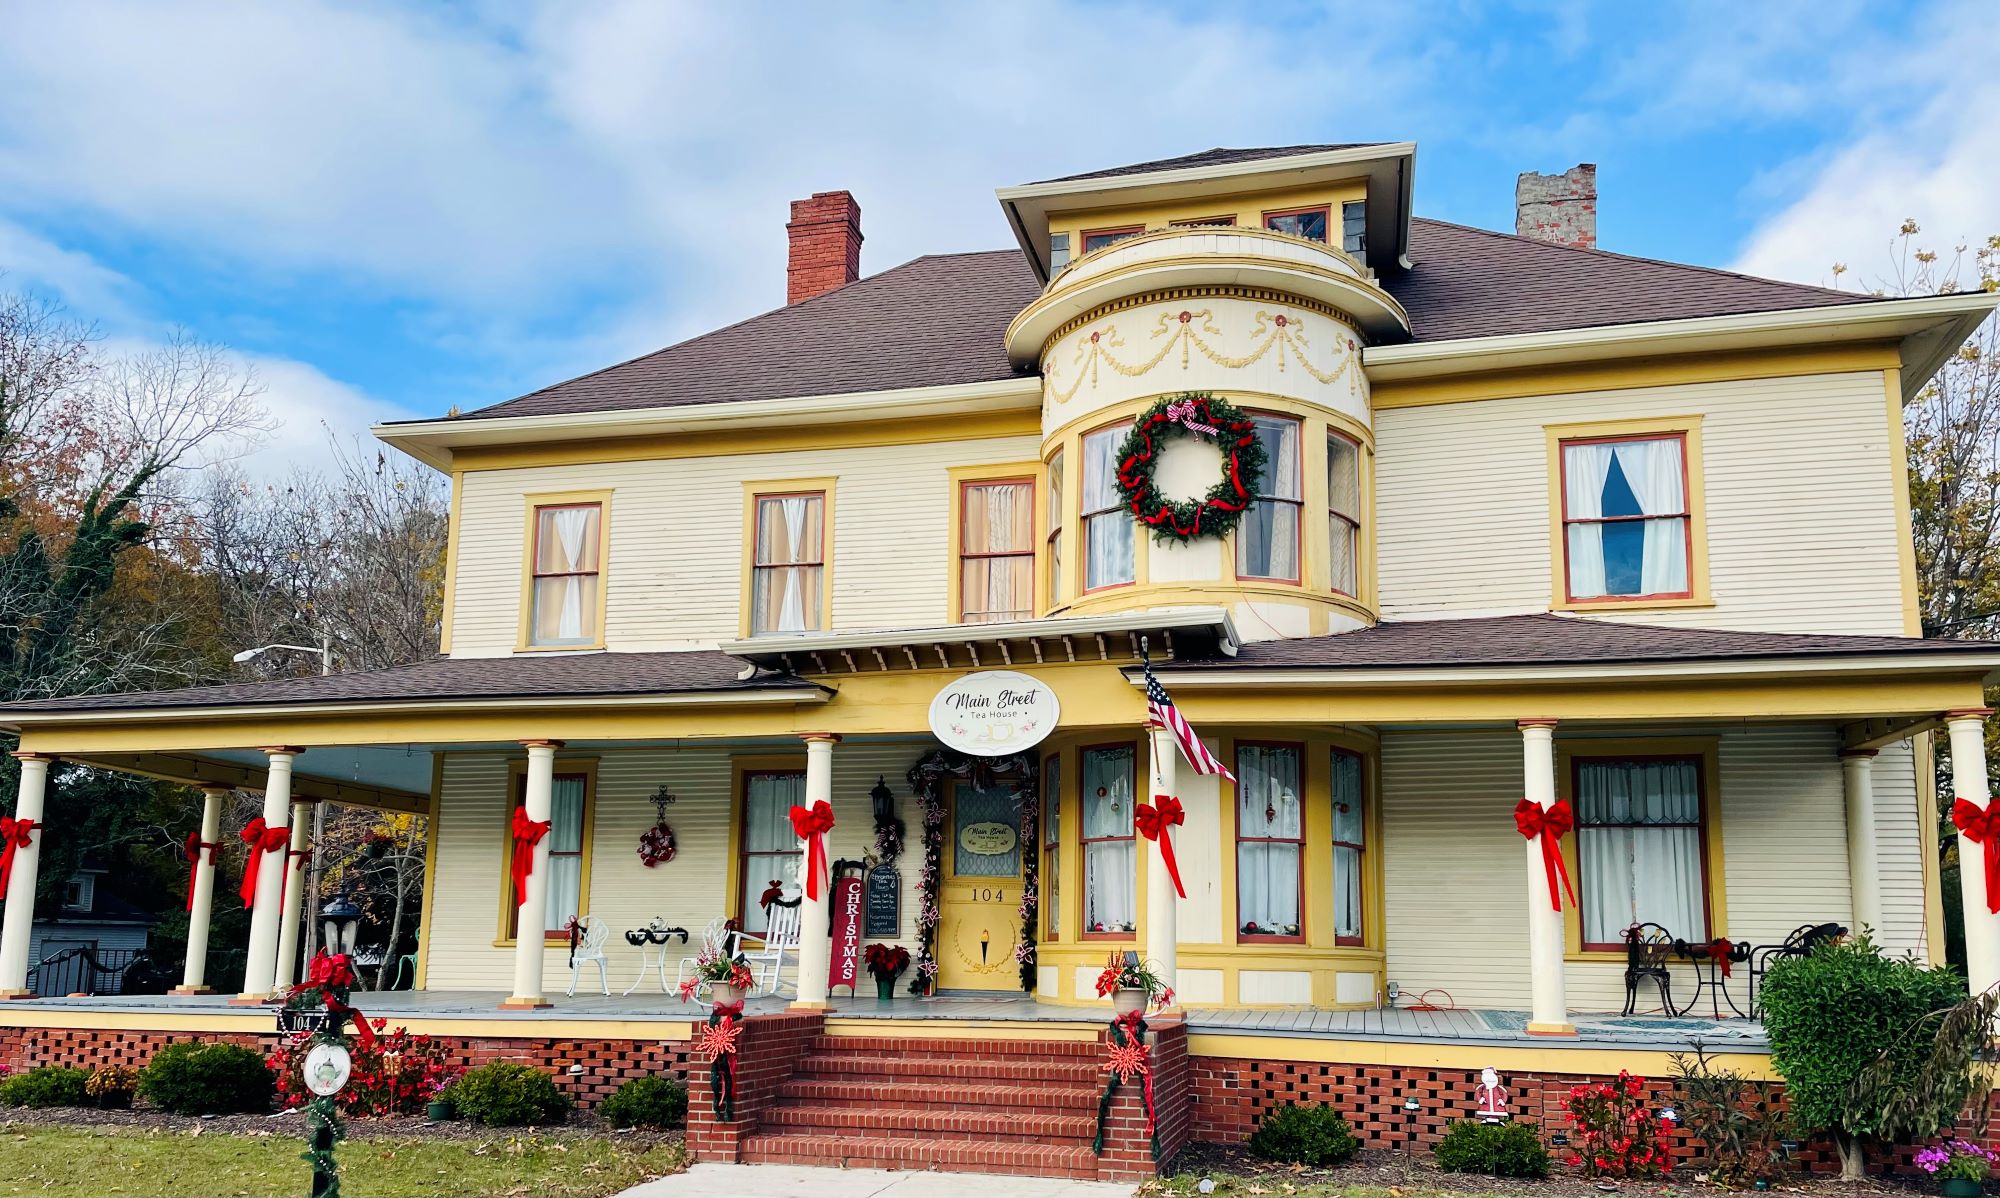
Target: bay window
x,y
1051,874
770,849
1108,529
1267,539
1097,239
997,551
1270,841
1055,515
568,794
1639,847
567,573
1343,502
1309,223
1110,859
1626,525
786,574
1350,847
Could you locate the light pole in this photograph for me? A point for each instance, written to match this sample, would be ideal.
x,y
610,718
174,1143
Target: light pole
x,y
325,652
328,1064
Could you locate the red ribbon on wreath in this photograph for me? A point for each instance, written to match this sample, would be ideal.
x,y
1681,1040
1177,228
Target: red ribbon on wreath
x,y
260,838
527,833
1981,826
1551,823
15,834
811,824
192,851
1153,820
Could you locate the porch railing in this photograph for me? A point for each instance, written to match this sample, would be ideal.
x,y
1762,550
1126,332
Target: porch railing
x,y
84,970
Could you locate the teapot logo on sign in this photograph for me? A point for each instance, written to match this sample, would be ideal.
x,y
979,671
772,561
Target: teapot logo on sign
x,y
994,713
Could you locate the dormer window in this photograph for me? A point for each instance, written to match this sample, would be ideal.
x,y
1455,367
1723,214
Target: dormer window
x,y
79,892
1309,223
1097,239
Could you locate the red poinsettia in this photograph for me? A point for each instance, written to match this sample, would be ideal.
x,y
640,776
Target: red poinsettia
x,y
886,961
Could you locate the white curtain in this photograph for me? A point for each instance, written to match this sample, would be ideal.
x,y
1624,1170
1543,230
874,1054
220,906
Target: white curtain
x,y
1350,831
571,523
1108,538
786,583
1653,470
1110,873
1585,468
1639,848
1343,496
792,608
770,849
998,519
565,843
1267,540
1267,871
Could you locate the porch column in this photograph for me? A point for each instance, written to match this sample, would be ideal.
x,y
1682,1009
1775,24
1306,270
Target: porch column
x,y
531,915
1967,730
201,893
815,947
295,884
1162,909
1550,1014
1857,769
260,963
18,926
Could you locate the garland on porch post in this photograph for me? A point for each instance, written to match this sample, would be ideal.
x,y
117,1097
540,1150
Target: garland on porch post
x,y
1128,1059
927,778
718,1040
1031,884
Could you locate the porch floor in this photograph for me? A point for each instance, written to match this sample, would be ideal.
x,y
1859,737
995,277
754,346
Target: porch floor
x,y
1498,1028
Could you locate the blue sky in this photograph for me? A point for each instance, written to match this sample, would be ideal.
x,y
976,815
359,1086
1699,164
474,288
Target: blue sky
x,y
392,210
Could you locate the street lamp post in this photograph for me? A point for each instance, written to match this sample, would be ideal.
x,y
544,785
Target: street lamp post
x,y
328,1063
325,651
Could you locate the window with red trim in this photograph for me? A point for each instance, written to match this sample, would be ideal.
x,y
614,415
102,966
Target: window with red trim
x,y
1343,510
1051,875
996,559
1097,239
770,849
1110,857
1309,223
567,795
1055,515
1640,851
1626,526
1108,530
1267,538
567,575
1350,848
1270,841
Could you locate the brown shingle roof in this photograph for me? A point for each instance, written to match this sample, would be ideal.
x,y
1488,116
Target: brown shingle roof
x,y
533,675
1556,640
1219,156
941,319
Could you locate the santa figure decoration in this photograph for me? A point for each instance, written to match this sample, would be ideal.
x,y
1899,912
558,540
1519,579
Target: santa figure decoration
x,y
1492,1097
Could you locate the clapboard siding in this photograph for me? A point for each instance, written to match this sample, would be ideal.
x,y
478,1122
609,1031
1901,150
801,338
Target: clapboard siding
x,y
1797,476
1899,851
677,540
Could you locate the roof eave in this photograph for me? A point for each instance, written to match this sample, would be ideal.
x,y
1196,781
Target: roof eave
x,y
1818,664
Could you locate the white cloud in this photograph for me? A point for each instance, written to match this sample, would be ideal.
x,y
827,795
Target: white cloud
x,y
31,262
309,409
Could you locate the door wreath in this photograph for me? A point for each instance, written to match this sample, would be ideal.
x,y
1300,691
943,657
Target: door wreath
x,y
1199,415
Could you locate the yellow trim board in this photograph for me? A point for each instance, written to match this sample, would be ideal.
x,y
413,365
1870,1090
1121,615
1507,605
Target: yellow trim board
x,y
1625,374
1899,483
449,607
1564,1058
431,842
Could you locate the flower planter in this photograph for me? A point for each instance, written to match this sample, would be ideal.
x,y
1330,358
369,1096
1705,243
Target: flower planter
x,y
1961,1187
1127,999
439,1112
885,989
724,993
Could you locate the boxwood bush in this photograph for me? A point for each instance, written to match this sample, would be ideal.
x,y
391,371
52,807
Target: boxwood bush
x,y
508,1095
46,1085
192,1078
1501,1149
1304,1135
646,1102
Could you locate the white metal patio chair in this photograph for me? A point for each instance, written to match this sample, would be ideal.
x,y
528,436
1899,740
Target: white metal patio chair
x,y
590,951
765,955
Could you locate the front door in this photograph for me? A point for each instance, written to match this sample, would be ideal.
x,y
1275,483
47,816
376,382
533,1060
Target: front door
x,y
979,919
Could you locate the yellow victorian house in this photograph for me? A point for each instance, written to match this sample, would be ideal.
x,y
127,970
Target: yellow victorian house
x,y
1544,611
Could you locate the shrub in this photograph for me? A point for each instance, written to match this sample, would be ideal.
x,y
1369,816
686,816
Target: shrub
x,y
397,1074
646,1102
1874,1048
1502,1149
508,1095
48,1085
191,1078
1304,1135
1736,1121
1617,1132
112,1086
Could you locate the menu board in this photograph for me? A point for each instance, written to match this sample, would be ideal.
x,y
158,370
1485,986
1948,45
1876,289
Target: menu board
x,y
885,897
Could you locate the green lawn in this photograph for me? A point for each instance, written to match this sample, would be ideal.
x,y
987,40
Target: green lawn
x,y
64,1161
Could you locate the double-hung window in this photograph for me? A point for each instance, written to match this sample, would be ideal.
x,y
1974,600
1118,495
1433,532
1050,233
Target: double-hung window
x,y
568,794
1639,847
1108,558
1270,841
1267,540
567,574
787,571
1055,515
770,848
1343,503
1350,847
1354,227
1110,873
1051,874
1626,526
996,579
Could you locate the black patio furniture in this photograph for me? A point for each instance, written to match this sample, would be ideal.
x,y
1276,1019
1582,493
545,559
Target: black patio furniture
x,y
1800,943
1714,964
1648,946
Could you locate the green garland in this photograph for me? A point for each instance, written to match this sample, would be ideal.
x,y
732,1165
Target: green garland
x,y
1201,415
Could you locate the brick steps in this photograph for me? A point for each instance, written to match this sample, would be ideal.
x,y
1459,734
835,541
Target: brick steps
x,y
845,1067
961,1050
898,1095
908,1152
935,1122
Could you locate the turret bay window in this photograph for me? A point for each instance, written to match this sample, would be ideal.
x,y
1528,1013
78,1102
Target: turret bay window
x,y
1110,873
1309,223
770,849
1350,847
997,551
1055,514
1267,540
1625,518
1051,872
567,573
1097,239
786,576
1108,557
1639,847
568,795
1343,502
1270,841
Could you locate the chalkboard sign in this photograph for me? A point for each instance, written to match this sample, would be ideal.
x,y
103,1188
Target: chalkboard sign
x,y
885,896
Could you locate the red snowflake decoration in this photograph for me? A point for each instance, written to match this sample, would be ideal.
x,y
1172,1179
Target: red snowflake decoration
x,y
1128,1061
719,1039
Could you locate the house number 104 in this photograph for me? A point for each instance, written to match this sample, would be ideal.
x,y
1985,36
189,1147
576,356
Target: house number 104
x,y
988,894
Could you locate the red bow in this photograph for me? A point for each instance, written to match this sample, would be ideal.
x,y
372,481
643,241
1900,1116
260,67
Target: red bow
x,y
1153,820
1719,952
811,824
1550,823
262,839
192,851
15,834
527,834
326,972
1981,826
733,1010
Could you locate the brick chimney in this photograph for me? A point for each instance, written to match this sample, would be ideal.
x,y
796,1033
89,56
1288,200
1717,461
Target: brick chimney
x,y
1558,208
826,245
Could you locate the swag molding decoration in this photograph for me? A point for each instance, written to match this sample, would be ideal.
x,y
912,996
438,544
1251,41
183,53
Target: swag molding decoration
x,y
1190,331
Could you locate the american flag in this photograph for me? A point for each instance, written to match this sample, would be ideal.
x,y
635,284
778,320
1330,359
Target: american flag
x,y
1161,710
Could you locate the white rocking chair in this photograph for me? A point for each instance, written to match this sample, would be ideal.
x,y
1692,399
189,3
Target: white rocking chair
x,y
590,951
767,958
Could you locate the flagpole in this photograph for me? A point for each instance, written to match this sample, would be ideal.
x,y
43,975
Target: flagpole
x,y
1162,907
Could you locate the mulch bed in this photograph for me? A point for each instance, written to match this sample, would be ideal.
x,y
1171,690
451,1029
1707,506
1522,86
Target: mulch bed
x,y
581,1124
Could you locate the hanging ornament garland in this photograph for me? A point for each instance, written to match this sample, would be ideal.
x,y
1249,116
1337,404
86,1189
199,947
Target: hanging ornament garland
x,y
1199,415
927,778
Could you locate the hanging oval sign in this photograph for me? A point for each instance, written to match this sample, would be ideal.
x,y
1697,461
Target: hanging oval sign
x,y
994,713
989,839
327,1068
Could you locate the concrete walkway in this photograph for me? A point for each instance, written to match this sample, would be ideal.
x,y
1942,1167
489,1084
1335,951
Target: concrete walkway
x,y
793,1181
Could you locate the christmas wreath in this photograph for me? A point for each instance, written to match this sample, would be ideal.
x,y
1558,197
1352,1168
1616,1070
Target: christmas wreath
x,y
656,845
1200,415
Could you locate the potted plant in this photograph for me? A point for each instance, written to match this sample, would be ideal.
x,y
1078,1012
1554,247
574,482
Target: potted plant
x,y
1959,1166
885,963
728,979
1132,985
440,1108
